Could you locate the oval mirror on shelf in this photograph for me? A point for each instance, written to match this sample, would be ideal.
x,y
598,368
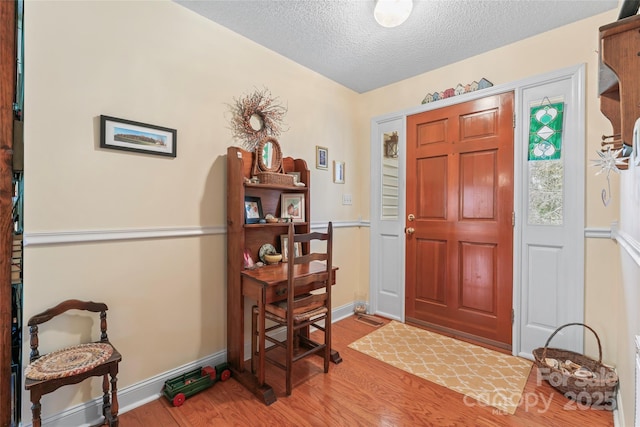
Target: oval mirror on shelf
x,y
269,155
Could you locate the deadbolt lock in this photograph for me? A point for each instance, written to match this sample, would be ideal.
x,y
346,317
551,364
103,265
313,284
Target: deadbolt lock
x,y
411,217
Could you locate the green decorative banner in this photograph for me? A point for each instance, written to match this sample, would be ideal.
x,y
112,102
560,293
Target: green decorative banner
x,y
545,131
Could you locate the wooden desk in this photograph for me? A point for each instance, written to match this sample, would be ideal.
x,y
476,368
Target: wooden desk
x,y
266,285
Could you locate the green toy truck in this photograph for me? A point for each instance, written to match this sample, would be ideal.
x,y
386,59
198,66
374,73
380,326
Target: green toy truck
x,y
177,389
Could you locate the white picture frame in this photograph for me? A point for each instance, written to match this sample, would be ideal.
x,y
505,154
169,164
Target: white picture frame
x,y
292,207
338,172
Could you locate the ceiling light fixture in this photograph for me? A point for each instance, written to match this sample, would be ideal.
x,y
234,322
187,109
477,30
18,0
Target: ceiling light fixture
x,y
391,13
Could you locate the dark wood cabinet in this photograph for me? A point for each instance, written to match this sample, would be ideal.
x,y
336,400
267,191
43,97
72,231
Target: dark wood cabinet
x,y
619,86
242,236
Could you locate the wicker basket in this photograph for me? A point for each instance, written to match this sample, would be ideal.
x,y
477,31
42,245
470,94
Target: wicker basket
x,y
596,391
275,178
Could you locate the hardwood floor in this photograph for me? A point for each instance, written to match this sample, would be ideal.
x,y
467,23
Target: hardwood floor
x,y
360,391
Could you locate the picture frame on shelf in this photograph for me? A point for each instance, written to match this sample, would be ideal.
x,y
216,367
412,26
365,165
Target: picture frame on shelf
x,y
292,206
338,172
127,135
252,210
322,157
284,248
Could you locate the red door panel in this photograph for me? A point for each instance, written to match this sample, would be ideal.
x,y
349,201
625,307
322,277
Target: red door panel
x,y
460,191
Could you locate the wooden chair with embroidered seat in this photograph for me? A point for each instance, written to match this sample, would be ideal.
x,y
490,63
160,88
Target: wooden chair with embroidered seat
x,y
71,365
307,309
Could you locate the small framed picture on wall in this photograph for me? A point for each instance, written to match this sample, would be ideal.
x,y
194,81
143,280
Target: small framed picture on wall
x,y
338,172
322,157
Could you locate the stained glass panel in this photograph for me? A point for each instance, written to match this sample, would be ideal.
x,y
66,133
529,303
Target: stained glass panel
x,y
545,131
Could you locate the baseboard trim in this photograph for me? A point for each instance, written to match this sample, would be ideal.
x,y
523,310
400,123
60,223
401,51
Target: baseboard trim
x,y
89,413
618,412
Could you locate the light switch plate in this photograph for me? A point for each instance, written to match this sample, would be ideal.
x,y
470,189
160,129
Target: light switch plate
x,y
346,199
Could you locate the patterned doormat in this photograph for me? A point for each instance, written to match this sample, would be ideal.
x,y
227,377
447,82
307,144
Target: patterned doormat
x,y
487,376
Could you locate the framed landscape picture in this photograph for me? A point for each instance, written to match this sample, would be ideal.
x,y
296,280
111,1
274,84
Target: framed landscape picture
x,y
127,135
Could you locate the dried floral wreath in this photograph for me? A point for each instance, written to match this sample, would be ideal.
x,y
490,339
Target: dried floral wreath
x,y
255,117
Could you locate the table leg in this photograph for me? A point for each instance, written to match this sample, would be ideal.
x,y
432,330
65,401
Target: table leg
x,y
261,342
263,392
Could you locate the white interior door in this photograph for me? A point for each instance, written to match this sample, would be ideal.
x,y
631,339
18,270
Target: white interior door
x,y
387,217
548,257
552,219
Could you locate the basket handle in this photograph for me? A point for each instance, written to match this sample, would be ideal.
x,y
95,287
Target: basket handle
x,y
544,352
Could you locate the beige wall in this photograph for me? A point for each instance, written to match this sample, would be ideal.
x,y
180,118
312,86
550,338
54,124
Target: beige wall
x,y
156,62
571,45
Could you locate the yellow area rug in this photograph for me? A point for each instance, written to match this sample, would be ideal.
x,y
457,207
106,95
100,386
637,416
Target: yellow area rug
x,y
490,377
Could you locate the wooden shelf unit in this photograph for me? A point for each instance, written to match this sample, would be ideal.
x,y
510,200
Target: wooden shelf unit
x,y
241,236
619,85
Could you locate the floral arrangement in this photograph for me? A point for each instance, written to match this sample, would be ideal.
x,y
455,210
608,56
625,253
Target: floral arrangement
x,y
255,117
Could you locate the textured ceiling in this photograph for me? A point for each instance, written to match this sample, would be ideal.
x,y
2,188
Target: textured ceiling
x,y
340,39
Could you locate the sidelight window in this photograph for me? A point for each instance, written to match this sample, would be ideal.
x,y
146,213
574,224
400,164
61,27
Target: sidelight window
x,y
390,175
546,167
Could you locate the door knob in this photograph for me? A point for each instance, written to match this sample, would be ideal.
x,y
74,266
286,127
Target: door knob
x,y
410,230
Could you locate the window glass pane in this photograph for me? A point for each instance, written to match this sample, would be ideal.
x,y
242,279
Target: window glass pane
x,y
389,152
546,165
545,192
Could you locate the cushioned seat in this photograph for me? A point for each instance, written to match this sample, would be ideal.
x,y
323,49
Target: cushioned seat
x,y
69,361
304,308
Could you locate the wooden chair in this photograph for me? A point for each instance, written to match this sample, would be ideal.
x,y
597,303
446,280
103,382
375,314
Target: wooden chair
x,y
298,312
72,365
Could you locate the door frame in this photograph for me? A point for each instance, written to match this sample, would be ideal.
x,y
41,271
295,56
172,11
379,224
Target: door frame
x,y
387,265
576,73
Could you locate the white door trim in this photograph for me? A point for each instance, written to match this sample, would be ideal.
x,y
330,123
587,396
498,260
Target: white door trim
x,y
562,245
387,255
576,72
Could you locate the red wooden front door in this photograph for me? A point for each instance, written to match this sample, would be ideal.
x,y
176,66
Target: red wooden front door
x,y
459,244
